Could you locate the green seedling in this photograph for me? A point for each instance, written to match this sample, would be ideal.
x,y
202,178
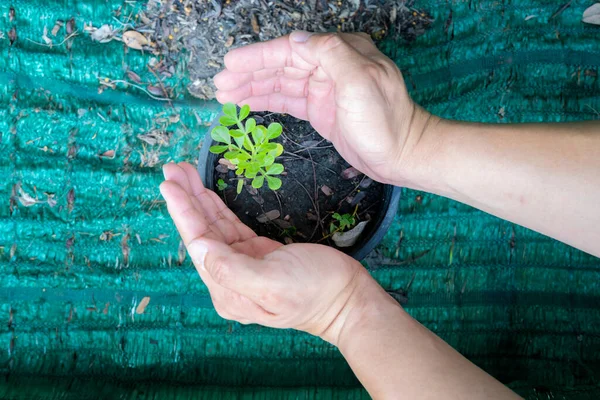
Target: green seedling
x,y
221,185
345,222
247,146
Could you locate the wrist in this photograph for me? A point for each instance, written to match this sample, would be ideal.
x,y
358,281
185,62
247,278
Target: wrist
x,y
421,160
366,303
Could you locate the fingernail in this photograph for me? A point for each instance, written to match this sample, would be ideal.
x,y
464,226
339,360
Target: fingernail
x,y
163,171
300,36
197,251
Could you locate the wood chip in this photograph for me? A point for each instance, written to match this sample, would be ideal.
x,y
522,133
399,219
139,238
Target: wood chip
x,y
108,154
134,40
227,163
142,306
125,249
350,173
254,22
326,190
268,216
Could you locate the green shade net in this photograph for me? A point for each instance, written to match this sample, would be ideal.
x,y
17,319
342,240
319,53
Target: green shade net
x,y
85,236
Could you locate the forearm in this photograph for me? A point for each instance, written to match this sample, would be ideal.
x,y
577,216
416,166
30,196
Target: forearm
x,y
395,357
542,176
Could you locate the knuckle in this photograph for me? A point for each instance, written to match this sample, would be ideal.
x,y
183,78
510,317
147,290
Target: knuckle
x,y
332,41
269,298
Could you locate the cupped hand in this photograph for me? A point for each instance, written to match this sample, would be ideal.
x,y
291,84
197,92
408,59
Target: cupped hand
x,y
344,86
254,279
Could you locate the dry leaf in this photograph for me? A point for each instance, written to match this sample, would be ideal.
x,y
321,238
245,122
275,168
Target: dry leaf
x,y
350,173
108,154
227,163
222,169
133,76
229,41
155,90
45,37
326,190
12,35
134,40
25,199
104,34
70,199
125,249
283,224
365,183
347,239
592,15
356,199
57,25
181,253
51,202
268,216
70,26
12,14
142,306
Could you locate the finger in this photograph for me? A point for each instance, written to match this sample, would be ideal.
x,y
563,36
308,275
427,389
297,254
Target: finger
x,y
338,59
216,211
278,103
190,221
259,280
287,87
275,53
228,80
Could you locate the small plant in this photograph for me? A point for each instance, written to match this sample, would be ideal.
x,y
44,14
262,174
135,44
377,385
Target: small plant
x,y
247,146
221,185
345,221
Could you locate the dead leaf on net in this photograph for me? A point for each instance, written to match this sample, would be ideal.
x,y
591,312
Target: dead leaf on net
x,y
57,25
104,34
125,249
142,306
133,76
26,199
347,239
108,154
268,216
51,201
134,40
181,253
45,37
592,15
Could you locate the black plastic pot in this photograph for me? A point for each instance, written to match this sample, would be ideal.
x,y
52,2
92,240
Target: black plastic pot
x,y
371,236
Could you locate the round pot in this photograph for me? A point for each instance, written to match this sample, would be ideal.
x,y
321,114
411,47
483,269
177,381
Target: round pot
x,y
371,236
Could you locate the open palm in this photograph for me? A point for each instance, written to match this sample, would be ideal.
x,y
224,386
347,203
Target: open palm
x,y
253,279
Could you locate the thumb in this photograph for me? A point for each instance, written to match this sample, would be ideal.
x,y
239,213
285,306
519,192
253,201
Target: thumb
x,y
235,271
330,51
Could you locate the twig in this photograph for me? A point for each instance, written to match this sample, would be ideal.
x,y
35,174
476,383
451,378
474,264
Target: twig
x,y
279,201
316,199
313,203
162,86
299,157
76,33
137,87
353,190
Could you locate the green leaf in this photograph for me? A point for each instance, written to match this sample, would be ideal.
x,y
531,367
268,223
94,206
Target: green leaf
x,y
278,150
268,147
248,144
243,156
221,134
337,216
221,185
218,149
239,171
268,160
274,183
227,121
236,133
240,185
244,112
258,182
260,159
332,228
250,124
239,141
275,169
231,155
274,130
258,136
230,110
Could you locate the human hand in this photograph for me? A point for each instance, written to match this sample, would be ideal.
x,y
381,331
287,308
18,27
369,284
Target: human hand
x,y
254,279
345,87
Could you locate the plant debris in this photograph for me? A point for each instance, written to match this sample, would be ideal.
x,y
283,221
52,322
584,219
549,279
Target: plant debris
x,y
349,238
134,40
350,173
200,32
142,306
268,216
326,190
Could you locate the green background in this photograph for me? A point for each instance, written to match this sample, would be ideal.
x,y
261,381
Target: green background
x,y
522,306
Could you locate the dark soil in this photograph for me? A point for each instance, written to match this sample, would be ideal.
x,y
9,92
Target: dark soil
x,y
304,209
198,33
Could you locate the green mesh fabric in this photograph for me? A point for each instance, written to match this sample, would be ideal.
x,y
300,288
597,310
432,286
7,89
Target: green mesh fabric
x,y
84,235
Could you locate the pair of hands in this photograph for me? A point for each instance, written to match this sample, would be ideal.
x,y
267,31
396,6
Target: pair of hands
x,y
353,96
